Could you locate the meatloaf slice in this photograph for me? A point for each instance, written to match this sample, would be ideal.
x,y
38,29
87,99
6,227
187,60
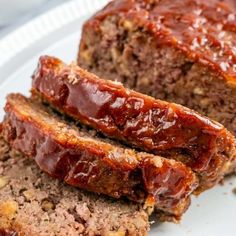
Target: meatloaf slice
x,y
34,204
94,164
152,125
179,51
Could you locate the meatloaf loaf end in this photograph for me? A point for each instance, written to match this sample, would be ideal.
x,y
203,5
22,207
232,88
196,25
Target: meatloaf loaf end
x,y
32,203
179,51
91,163
167,129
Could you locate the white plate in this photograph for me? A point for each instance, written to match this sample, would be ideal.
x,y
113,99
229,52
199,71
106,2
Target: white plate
x,y
57,33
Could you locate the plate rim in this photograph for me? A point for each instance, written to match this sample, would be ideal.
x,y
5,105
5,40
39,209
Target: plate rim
x,y
16,50
27,34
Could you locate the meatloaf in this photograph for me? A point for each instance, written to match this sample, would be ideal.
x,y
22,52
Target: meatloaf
x,y
179,51
83,160
34,204
153,125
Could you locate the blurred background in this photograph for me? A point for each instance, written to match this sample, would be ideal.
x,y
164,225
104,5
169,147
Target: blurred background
x,y
14,13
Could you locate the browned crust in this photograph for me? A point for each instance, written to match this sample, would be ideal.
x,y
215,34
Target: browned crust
x,y
206,146
26,188
64,153
203,30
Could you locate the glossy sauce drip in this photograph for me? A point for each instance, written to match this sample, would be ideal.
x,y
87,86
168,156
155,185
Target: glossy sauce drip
x,y
95,166
204,30
152,125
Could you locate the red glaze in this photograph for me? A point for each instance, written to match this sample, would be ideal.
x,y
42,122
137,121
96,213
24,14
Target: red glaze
x,y
152,125
7,232
205,30
68,154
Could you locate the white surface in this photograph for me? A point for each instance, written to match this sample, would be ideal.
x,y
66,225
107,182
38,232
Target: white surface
x,y
15,13
57,33
13,9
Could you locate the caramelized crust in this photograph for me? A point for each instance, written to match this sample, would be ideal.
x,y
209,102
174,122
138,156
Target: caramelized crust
x,y
151,125
205,31
89,163
177,51
34,204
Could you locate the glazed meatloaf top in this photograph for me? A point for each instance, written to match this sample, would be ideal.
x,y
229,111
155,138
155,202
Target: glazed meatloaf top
x,y
34,204
204,30
152,125
86,161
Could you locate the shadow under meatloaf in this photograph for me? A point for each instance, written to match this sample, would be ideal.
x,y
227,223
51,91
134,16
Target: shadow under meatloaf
x,y
34,204
178,51
167,129
81,159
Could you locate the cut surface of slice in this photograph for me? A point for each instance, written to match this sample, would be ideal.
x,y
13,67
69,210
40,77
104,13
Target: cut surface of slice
x,y
32,203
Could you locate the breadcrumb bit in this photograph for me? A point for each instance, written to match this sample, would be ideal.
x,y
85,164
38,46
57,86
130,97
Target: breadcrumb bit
x,y
9,209
3,181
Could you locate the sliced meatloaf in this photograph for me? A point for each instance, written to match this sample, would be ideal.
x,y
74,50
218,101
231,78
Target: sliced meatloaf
x,y
153,125
33,204
95,164
179,51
